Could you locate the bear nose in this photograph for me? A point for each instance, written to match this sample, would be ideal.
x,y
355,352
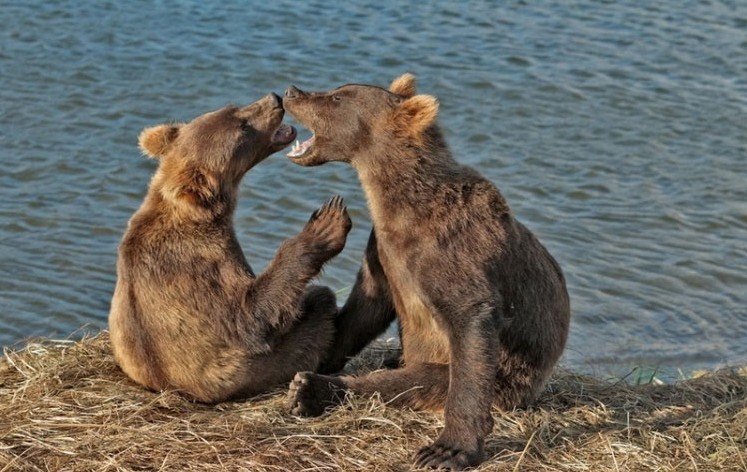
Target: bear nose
x,y
292,92
277,102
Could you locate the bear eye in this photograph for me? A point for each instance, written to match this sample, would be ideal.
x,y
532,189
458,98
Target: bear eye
x,y
336,98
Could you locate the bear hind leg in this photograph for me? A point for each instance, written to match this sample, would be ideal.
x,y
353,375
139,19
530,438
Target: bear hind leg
x,y
301,348
419,386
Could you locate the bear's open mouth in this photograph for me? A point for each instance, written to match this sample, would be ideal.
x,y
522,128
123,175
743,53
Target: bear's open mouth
x,y
284,134
299,149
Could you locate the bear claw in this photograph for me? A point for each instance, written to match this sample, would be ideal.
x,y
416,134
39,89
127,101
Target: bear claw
x,y
310,394
334,204
443,456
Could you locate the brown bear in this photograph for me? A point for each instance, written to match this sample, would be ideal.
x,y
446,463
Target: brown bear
x,y
188,312
482,306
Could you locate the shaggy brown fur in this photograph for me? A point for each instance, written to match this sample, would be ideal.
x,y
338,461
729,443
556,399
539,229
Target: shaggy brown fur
x,y
188,313
482,306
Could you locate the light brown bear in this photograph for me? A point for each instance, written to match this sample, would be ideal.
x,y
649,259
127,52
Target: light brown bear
x,y
482,306
188,312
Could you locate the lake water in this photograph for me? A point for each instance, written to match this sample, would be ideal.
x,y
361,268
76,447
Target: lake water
x,y
617,132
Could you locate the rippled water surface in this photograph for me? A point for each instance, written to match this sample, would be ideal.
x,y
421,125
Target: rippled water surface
x,y
618,134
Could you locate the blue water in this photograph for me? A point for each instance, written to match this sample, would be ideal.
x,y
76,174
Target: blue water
x,y
617,131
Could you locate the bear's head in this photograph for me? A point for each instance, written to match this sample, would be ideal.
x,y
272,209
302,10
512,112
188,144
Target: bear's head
x,y
203,161
349,121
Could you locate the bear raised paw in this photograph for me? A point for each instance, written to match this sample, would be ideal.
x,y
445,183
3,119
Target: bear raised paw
x,y
328,228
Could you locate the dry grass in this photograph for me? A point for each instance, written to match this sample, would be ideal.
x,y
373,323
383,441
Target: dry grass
x,y
66,406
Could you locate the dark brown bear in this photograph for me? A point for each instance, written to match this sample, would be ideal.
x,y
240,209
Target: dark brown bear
x,y
188,313
482,306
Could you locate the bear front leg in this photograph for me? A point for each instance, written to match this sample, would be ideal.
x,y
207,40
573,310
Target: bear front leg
x,y
275,295
467,413
368,311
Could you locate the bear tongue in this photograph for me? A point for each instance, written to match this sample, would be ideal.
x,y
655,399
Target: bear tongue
x,y
299,149
284,134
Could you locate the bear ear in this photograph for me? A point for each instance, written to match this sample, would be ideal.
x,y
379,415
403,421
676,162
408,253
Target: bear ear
x,y
413,116
404,85
156,140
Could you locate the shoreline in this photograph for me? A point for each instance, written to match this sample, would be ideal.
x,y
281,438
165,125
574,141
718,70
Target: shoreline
x,y
67,406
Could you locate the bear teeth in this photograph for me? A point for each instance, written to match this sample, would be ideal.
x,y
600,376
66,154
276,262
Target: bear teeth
x,y
299,149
